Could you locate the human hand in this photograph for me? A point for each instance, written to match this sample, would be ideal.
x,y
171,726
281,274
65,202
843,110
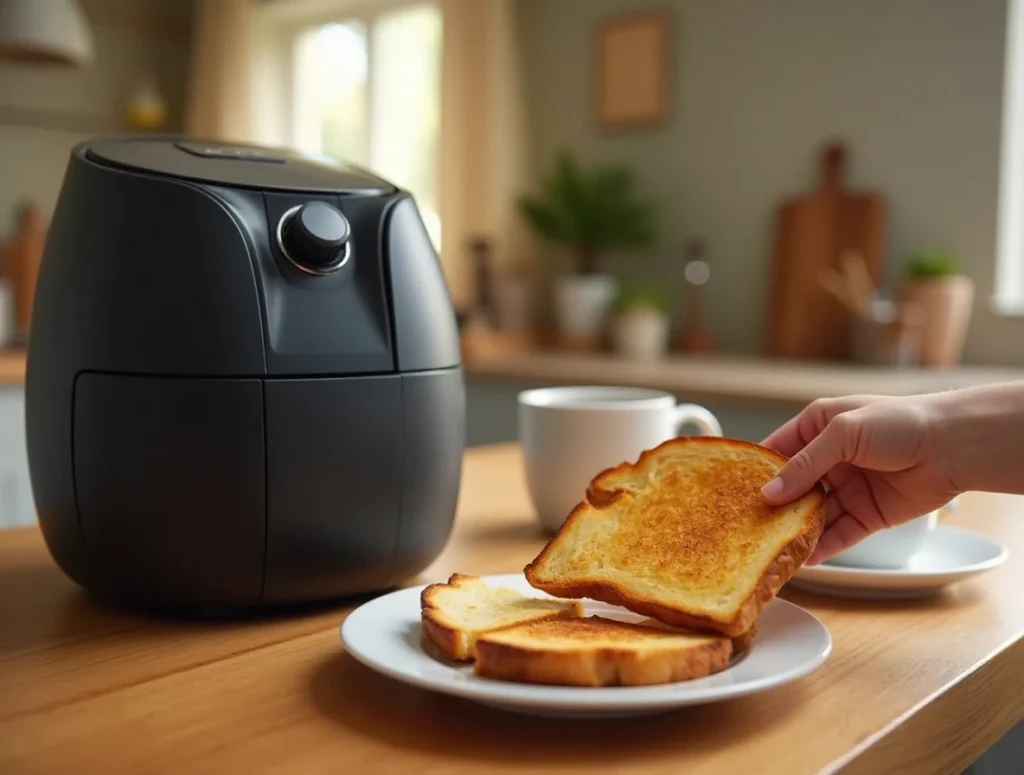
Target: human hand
x,y
880,458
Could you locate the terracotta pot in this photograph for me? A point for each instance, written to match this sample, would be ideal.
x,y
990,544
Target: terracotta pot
x,y
945,304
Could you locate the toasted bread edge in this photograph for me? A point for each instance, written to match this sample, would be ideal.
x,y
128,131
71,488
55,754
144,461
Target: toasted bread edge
x,y
599,495
452,641
599,667
457,644
779,572
741,643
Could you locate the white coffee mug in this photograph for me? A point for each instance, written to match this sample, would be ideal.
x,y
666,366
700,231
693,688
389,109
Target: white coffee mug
x,y
571,434
890,548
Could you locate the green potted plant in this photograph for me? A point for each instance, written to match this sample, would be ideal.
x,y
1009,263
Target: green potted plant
x,y
641,325
944,297
592,212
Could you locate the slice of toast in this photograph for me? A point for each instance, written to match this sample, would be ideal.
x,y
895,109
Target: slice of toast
x,y
597,651
454,615
741,643
684,536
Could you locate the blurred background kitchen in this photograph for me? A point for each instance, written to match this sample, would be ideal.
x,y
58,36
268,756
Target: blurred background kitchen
x,y
750,203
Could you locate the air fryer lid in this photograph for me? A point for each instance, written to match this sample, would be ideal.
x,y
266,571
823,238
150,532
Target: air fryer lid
x,y
244,166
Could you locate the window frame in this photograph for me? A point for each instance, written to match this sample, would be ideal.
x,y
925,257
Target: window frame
x,y
1008,280
280,23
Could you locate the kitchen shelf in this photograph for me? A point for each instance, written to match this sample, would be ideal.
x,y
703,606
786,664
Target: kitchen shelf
x,y
752,381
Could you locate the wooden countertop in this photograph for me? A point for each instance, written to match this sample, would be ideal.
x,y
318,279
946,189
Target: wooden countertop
x,y
910,687
12,367
732,379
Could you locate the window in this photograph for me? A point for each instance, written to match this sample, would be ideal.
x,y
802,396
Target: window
x,y
363,85
1009,285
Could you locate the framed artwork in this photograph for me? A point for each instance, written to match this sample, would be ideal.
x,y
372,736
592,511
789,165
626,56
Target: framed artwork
x,y
632,55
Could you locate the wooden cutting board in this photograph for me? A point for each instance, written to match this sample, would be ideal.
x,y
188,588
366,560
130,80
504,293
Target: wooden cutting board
x,y
812,233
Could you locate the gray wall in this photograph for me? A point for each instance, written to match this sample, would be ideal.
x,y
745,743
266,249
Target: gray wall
x,y
132,38
914,87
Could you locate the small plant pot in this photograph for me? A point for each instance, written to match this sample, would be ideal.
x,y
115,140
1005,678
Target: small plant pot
x,y
945,304
582,303
641,333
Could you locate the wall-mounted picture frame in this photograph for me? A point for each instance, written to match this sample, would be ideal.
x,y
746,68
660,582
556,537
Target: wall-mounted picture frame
x,y
632,56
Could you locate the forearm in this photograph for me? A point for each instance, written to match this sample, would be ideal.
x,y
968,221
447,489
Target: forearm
x,y
981,430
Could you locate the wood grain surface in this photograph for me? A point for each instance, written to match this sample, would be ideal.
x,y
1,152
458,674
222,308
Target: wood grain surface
x,y
911,687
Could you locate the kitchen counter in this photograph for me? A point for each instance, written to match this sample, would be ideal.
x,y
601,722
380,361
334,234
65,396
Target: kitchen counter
x,y
914,686
733,379
12,367
746,380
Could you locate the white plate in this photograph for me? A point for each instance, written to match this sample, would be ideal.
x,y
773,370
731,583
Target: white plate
x,y
384,634
950,554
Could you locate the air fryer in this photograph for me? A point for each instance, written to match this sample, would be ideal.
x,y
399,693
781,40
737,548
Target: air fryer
x,y
244,384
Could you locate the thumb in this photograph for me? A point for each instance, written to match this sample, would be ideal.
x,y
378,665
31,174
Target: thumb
x,y
800,473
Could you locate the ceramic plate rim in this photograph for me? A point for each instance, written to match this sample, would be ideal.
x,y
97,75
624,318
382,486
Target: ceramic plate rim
x,y
825,570
453,681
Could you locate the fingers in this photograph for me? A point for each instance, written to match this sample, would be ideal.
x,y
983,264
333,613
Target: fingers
x,y
834,445
798,431
833,509
843,533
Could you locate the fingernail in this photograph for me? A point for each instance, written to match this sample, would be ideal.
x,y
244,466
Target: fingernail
x,y
773,489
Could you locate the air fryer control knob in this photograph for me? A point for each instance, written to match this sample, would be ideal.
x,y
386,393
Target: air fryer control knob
x,y
315,237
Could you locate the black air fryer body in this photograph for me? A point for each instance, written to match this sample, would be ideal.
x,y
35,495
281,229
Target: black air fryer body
x,y
244,385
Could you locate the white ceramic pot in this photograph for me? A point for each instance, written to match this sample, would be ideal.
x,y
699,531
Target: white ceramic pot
x,y
641,333
582,303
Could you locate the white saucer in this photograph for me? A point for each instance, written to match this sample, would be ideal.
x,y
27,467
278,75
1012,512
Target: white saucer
x,y
951,554
384,634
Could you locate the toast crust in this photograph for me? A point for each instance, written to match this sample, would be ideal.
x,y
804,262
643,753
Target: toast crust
x,y
438,627
456,642
741,643
602,494
631,664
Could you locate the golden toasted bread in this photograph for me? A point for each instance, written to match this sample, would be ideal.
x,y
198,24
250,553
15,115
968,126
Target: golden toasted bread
x,y
740,643
596,651
455,614
684,536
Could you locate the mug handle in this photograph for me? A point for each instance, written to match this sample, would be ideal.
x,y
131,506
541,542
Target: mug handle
x,y
699,416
